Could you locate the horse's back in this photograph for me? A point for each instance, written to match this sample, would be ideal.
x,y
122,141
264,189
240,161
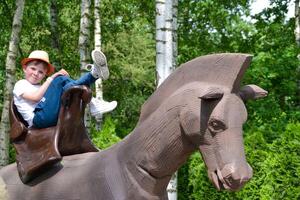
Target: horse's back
x,y
9,181
88,176
69,180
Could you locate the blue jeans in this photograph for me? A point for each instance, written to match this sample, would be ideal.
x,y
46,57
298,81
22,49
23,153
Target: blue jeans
x,y
47,110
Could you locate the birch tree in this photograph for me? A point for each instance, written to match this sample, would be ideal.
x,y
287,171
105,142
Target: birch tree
x,y
166,53
10,68
84,35
97,42
54,28
83,43
165,29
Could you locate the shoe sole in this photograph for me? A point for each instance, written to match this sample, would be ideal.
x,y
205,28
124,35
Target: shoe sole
x,y
99,60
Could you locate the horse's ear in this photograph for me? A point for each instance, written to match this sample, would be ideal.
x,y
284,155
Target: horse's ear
x,y
212,93
252,92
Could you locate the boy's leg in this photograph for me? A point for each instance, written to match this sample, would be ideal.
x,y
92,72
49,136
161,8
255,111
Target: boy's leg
x,y
86,79
99,70
47,110
98,107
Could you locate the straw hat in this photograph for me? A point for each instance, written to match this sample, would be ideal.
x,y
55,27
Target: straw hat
x,y
38,55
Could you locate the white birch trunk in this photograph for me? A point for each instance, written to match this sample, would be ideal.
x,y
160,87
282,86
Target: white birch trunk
x,y
83,43
166,54
97,25
84,36
97,33
164,48
10,80
174,30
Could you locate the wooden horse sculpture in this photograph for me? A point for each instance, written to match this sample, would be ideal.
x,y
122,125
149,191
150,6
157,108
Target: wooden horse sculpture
x,y
39,149
200,106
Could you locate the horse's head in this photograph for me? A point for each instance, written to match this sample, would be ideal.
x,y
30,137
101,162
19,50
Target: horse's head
x,y
217,128
221,144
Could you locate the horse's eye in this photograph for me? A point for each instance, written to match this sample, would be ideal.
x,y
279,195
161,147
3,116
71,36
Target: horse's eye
x,y
216,126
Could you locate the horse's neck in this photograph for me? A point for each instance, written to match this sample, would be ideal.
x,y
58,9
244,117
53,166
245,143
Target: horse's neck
x,y
155,149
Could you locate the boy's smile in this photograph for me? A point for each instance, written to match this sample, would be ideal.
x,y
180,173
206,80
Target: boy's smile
x,y
35,73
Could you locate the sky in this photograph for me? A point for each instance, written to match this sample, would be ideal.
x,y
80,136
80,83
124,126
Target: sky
x,y
258,5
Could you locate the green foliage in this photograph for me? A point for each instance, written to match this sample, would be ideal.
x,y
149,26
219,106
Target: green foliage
x,y
36,33
199,185
276,165
272,130
183,181
212,26
5,29
107,136
12,154
131,57
276,169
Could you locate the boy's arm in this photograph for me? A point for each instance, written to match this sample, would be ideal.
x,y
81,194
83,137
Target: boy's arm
x,y
37,95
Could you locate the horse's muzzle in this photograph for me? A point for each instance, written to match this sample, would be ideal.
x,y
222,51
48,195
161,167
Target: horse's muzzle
x,y
231,177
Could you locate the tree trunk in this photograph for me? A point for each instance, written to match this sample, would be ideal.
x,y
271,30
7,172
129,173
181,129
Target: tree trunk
x,y
97,25
166,54
10,80
54,30
83,43
54,27
297,21
165,28
97,32
174,31
84,36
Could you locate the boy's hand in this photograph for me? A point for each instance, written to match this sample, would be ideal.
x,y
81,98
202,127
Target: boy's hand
x,y
60,72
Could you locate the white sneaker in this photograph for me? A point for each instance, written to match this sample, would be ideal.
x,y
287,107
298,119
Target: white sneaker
x,y
99,68
100,107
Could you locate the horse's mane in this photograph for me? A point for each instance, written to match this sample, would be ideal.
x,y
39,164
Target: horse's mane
x,y
228,71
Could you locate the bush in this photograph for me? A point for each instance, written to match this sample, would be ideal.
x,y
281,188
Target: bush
x,y
276,168
106,136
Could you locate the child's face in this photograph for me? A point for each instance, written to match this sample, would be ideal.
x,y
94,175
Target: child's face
x,y
35,72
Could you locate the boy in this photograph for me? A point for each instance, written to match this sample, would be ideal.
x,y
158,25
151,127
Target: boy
x,y
39,104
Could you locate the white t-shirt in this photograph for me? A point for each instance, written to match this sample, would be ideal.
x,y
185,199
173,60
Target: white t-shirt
x,y
25,107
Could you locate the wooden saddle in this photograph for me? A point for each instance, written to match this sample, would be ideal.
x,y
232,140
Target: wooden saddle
x,y
39,149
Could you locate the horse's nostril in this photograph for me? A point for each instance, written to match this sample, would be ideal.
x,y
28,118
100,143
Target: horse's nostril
x,y
235,176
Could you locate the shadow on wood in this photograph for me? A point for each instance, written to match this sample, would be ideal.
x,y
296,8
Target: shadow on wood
x,y
39,149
